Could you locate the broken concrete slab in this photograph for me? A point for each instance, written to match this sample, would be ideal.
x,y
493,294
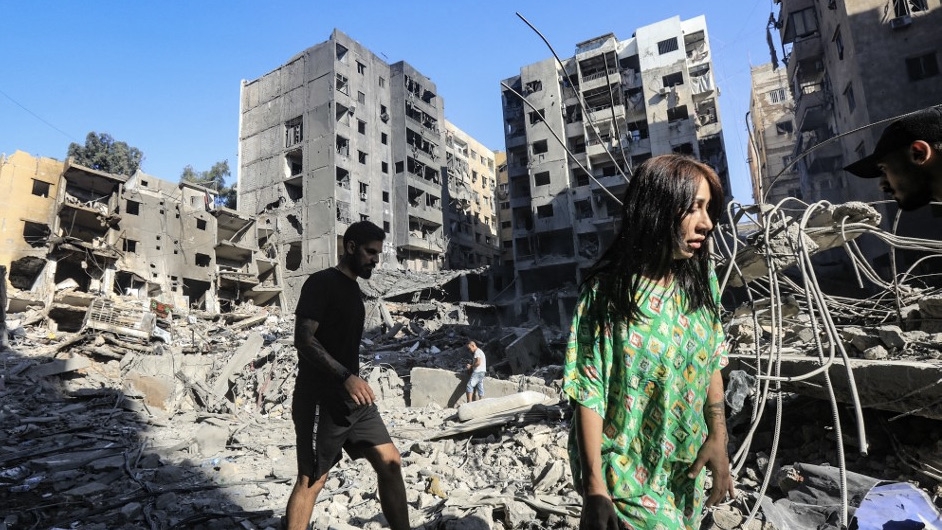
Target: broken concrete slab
x,y
909,387
447,388
58,366
248,350
527,351
501,405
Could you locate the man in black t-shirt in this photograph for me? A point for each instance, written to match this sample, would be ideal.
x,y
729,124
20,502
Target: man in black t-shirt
x,y
333,408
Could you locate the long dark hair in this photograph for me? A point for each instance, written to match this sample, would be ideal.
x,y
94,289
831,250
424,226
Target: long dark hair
x,y
658,197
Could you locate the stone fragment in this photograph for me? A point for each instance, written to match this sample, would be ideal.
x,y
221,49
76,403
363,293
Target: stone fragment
x,y
875,353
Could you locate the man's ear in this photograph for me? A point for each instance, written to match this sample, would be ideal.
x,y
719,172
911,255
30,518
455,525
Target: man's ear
x,y
350,247
920,151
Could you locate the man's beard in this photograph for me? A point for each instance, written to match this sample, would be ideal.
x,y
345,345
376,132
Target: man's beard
x,y
362,270
916,198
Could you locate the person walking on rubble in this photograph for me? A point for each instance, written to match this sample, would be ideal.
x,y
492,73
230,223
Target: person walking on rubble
x,y
477,369
333,407
908,159
644,356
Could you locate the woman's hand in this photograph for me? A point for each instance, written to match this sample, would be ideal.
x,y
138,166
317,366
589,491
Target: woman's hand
x,y
598,513
713,454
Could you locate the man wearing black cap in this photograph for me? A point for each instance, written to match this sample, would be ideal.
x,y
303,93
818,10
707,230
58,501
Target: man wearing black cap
x,y
908,159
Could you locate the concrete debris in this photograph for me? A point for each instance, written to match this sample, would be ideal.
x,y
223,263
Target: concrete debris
x,y
123,412
775,245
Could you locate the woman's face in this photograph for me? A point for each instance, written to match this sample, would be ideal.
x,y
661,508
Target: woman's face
x,y
696,223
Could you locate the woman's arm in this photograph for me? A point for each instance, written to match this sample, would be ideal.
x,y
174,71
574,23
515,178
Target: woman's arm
x,y
598,512
713,453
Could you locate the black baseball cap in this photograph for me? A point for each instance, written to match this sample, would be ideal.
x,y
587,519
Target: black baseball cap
x,y
924,125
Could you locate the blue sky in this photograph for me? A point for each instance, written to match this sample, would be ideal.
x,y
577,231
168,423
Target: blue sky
x,y
164,76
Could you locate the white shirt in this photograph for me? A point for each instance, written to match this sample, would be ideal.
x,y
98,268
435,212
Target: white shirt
x,y
479,354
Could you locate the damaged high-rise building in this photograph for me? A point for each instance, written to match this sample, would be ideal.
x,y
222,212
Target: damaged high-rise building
x,y
851,65
613,105
337,135
76,238
471,212
772,136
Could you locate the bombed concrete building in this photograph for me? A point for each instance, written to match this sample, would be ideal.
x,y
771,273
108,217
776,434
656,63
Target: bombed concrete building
x,y
614,104
28,189
843,61
772,136
85,236
471,214
337,135
851,65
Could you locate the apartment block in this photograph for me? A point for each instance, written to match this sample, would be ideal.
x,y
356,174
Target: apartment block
x,y
506,233
614,104
87,236
850,64
337,135
471,212
28,190
772,136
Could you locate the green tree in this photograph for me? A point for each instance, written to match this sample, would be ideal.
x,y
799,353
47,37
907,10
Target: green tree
x,y
214,179
103,153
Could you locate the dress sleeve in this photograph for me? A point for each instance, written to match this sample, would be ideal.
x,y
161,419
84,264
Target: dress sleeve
x,y
720,355
588,357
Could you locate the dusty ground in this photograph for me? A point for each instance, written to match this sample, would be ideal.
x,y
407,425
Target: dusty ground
x,y
80,451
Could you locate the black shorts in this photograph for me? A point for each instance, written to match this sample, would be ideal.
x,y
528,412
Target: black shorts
x,y
323,427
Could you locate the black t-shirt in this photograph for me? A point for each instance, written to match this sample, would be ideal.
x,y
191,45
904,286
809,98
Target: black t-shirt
x,y
333,300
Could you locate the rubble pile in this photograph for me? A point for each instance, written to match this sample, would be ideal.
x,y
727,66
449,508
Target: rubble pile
x,y
189,425
103,429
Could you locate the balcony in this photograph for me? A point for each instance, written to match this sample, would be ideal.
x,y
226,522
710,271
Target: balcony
x,y
421,242
616,184
597,147
823,157
429,213
599,79
810,108
605,113
516,138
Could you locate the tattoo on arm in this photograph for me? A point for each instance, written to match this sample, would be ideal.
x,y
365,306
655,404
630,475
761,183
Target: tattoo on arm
x,y
311,349
716,419
716,411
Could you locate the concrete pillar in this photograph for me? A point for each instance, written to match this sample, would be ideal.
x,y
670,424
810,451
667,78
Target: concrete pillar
x,y
107,280
4,340
518,300
463,283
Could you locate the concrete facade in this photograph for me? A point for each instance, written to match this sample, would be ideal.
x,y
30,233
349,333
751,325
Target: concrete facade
x,y
28,190
337,135
849,65
471,211
95,235
772,136
613,104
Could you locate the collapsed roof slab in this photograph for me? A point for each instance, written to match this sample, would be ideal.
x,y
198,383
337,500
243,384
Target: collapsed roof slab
x,y
908,387
828,227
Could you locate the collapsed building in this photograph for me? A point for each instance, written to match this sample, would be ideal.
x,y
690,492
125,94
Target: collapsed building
x,y
75,236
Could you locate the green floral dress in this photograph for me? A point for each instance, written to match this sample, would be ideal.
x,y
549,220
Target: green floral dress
x,y
648,381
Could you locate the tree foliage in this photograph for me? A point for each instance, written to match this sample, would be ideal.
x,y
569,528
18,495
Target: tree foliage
x,y
214,179
103,153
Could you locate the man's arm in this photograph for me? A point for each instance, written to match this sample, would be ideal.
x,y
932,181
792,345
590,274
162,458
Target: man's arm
x,y
714,453
311,350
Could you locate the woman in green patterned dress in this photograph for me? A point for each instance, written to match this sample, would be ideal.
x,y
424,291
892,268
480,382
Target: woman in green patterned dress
x,y
644,356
